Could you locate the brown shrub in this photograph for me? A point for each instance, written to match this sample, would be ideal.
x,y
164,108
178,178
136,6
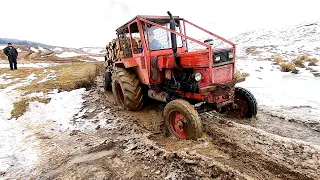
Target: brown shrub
x,y
316,74
287,67
278,59
303,58
299,63
250,50
313,62
245,74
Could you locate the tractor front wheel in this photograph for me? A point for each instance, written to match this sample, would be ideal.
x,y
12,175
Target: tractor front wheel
x,y
127,90
182,120
245,103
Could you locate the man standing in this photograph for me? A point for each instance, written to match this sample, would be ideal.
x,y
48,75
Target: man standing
x,y
12,54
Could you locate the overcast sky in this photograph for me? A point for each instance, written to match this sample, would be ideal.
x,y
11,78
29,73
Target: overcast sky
x,y
80,23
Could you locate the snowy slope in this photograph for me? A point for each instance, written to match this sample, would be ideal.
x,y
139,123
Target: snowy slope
x,y
284,94
289,41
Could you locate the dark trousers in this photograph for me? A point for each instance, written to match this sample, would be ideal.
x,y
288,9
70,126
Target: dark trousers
x,y
12,62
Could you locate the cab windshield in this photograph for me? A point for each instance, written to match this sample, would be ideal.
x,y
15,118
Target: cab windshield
x,y
161,39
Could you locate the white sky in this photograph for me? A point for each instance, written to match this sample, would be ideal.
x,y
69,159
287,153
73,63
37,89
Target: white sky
x,y
82,23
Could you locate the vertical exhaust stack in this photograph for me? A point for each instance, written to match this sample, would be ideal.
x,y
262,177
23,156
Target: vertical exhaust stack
x,y
174,40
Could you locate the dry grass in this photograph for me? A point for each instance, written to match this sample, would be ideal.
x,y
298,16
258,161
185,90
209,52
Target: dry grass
x,y
68,77
245,74
313,62
287,67
316,74
295,71
20,107
303,58
3,86
263,59
278,59
250,50
299,63
56,59
21,72
238,74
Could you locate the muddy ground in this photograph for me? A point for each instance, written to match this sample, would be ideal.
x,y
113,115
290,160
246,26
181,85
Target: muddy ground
x,y
109,143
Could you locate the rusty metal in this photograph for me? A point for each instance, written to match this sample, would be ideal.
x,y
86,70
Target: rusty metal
x,y
158,95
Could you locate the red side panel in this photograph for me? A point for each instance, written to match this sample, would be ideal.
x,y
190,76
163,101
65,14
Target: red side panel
x,y
222,74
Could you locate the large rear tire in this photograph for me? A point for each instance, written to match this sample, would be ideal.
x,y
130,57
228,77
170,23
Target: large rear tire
x,y
107,81
246,104
182,120
127,90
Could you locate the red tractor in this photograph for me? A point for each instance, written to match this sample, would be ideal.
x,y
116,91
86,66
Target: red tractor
x,y
154,57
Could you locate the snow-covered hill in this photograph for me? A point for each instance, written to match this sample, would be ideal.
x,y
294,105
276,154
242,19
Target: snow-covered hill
x,y
290,96
56,53
287,41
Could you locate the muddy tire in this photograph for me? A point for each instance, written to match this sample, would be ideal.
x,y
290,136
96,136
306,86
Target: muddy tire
x,y
107,81
182,120
127,90
246,103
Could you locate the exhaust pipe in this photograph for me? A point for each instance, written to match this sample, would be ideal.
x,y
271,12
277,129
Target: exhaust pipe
x,y
159,95
174,40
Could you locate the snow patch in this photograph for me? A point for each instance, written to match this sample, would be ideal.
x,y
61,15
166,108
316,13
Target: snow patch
x,y
68,54
18,147
34,49
93,50
98,58
2,47
49,77
57,49
31,65
280,90
41,49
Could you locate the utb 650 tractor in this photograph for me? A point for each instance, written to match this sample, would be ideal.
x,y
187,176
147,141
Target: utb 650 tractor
x,y
154,57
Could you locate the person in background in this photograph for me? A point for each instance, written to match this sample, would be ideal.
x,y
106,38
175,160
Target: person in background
x,y
12,54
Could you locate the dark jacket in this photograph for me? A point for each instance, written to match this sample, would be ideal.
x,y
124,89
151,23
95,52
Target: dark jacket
x,y
10,51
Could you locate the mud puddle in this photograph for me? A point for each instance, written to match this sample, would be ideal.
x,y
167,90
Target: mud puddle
x,y
266,147
276,125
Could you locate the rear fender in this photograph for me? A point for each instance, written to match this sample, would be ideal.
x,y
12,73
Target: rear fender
x,y
127,62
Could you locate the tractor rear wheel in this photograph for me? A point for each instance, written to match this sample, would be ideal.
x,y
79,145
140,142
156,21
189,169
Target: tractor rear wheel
x,y
182,120
107,81
246,104
127,90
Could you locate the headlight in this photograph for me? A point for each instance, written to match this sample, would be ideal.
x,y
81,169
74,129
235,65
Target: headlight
x,y
217,58
231,55
197,76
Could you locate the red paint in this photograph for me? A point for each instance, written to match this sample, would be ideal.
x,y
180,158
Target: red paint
x,y
190,95
158,64
129,62
168,74
179,124
242,106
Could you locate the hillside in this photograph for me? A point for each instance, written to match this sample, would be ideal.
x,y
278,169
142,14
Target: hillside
x,y
283,68
55,54
289,42
22,42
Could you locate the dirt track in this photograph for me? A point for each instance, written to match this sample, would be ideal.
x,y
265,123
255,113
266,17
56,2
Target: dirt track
x,y
109,143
